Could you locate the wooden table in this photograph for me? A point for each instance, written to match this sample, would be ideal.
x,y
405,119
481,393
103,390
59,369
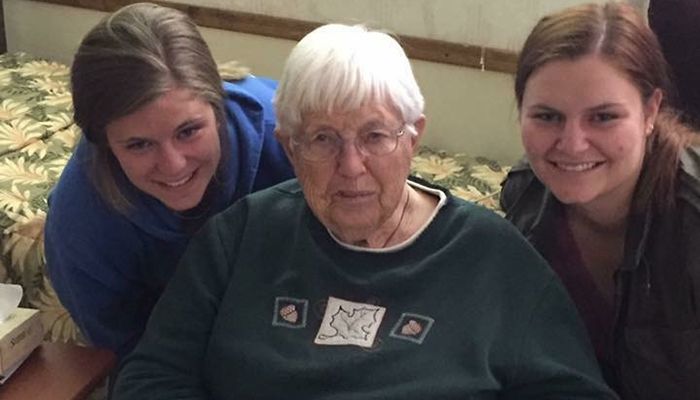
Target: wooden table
x,y
59,371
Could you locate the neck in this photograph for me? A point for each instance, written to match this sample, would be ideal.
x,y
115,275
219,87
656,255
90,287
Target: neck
x,y
610,218
392,235
606,214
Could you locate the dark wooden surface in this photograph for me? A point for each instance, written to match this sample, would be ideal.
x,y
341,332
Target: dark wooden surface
x,y
59,371
3,39
434,50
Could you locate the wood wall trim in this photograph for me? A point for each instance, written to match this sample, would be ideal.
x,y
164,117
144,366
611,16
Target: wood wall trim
x,y
3,38
439,51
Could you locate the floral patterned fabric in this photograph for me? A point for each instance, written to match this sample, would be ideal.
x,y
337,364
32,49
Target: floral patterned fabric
x,y
474,179
37,135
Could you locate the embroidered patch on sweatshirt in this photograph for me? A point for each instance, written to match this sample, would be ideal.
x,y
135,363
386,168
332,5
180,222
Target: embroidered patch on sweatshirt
x,y
349,323
412,327
290,312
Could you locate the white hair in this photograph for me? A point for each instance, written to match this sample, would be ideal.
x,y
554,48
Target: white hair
x,y
338,68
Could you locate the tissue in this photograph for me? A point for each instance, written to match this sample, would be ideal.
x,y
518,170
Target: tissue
x,y
10,296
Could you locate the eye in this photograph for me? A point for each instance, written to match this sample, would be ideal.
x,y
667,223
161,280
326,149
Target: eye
x,y
138,146
323,137
376,136
604,117
548,117
188,132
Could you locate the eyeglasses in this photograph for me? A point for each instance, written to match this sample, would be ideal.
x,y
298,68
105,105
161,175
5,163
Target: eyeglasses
x,y
326,144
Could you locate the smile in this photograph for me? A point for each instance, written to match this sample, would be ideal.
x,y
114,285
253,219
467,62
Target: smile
x,y
177,183
576,167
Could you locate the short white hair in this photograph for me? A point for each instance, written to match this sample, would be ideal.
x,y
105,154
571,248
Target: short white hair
x,y
338,68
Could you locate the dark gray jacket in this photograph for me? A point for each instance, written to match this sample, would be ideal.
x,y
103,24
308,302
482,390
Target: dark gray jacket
x,y
656,350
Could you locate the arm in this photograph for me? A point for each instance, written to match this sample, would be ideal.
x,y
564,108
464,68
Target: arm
x,y
89,269
554,359
94,258
169,361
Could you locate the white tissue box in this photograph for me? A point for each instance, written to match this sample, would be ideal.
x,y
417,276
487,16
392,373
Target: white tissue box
x,y
20,334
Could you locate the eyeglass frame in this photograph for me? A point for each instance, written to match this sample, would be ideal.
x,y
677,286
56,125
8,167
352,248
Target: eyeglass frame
x,y
340,143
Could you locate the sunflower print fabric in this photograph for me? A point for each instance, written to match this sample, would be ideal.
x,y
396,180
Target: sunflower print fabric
x,y
37,135
473,179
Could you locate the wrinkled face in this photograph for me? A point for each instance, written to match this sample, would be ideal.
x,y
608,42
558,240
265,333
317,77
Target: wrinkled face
x,y
168,148
584,127
353,194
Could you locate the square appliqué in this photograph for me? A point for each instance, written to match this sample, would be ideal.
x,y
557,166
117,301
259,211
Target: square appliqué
x,y
349,323
290,312
412,327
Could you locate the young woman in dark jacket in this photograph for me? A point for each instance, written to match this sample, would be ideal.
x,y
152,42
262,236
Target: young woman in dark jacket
x,y
610,194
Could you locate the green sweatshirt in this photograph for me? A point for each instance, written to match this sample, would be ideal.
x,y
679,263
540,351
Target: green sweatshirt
x,y
267,305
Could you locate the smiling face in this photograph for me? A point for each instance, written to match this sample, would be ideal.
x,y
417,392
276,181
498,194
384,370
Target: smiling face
x,y
354,194
584,127
169,148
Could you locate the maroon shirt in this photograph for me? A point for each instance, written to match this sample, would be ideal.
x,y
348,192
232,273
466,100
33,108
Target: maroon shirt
x,y
596,312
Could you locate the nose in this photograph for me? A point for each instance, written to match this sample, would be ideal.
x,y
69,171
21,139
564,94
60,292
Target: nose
x,y
351,162
573,138
171,160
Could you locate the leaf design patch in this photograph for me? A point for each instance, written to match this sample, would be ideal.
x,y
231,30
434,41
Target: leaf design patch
x,y
349,323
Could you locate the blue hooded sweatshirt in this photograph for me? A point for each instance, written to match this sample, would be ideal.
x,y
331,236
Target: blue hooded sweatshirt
x,y
109,268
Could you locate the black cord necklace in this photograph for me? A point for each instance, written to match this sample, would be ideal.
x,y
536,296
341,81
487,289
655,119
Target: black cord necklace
x,y
403,214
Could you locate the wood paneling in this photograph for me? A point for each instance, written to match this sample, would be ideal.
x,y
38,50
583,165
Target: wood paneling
x,y
3,40
440,51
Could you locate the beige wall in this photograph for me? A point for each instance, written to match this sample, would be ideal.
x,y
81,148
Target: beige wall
x,y
495,23
468,110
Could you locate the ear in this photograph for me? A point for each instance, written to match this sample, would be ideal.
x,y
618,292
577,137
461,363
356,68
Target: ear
x,y
419,126
286,141
651,110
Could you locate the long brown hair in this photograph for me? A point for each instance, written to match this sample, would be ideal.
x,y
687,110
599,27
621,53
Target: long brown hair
x,y
127,60
619,34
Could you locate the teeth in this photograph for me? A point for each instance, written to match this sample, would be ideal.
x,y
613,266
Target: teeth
x,y
576,167
177,183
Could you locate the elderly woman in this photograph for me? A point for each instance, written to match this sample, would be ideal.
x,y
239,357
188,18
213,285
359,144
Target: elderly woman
x,y
354,282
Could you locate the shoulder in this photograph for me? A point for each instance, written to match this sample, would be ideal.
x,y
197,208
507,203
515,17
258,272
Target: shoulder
x,y
520,180
458,216
266,213
252,85
523,197
75,187
277,200
484,232
481,246
271,205
251,99
252,89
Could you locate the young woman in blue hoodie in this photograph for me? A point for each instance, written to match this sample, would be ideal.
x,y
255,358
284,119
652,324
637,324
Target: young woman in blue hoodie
x,y
166,145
